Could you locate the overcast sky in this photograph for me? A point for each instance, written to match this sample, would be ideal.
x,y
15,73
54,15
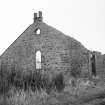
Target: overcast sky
x,y
82,19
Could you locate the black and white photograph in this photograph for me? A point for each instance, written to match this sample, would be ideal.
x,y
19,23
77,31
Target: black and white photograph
x,y
52,52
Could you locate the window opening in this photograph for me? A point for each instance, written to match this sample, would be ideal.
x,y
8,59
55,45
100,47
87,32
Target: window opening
x,y
37,31
38,60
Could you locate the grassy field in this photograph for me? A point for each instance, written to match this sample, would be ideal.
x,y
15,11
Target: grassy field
x,y
35,89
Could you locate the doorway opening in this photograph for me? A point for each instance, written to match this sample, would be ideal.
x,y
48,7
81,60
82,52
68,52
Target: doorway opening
x,y
93,60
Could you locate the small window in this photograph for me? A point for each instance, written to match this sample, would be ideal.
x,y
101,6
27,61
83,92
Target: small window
x,y
38,60
37,31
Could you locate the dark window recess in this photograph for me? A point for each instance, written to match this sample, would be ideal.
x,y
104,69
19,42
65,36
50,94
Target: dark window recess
x,y
93,65
37,31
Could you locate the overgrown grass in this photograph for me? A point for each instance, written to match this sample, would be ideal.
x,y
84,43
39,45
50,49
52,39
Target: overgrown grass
x,y
36,81
59,82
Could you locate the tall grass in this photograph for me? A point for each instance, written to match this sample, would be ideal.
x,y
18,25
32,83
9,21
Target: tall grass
x,y
36,81
59,82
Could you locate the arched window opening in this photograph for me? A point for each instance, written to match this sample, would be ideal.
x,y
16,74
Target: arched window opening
x,y
38,60
37,31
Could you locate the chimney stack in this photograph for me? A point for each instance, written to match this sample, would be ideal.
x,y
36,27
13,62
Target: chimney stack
x,y
35,17
38,17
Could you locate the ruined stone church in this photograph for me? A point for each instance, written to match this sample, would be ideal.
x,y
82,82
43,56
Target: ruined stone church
x,y
57,52
43,48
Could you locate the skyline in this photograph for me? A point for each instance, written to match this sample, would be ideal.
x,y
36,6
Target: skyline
x,y
80,19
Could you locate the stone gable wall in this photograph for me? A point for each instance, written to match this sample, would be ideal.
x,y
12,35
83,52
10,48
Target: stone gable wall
x,y
58,51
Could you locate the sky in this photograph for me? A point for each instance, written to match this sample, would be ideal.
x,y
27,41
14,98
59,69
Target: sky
x,y
82,19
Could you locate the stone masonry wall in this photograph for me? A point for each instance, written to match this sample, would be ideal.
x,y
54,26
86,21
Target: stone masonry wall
x,y
58,51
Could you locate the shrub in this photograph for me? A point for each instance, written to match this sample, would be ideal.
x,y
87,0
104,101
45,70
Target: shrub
x,y
59,82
